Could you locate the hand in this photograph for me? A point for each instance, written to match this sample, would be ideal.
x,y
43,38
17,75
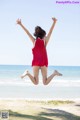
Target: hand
x,y
18,21
54,19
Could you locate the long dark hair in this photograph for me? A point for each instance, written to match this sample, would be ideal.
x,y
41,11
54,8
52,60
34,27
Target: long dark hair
x,y
39,32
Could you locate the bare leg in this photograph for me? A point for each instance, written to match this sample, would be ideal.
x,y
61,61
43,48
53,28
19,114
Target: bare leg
x,y
35,72
46,80
24,74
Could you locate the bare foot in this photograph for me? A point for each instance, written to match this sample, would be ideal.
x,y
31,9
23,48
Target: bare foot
x,y
57,73
24,74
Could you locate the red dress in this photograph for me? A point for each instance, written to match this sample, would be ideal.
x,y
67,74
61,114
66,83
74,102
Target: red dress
x,y
39,54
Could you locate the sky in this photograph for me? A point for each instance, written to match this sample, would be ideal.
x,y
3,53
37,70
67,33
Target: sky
x,y
64,45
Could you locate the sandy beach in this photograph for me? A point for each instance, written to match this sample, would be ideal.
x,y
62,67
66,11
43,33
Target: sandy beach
x,y
41,110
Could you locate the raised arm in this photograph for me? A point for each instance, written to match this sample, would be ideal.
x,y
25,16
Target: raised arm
x,y
28,33
50,31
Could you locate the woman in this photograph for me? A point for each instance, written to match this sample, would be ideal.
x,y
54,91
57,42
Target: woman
x,y
40,59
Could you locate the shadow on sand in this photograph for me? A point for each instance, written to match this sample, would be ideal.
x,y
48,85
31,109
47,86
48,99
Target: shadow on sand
x,y
49,114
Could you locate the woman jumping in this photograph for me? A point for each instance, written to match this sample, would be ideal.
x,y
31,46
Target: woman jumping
x,y
40,58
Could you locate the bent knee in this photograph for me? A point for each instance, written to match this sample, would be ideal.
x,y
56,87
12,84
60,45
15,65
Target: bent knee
x,y
44,82
36,82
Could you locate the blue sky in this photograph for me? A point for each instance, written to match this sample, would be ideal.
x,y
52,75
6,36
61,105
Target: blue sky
x,y
64,45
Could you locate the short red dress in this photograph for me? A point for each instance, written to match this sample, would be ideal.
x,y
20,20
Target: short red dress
x,y
39,54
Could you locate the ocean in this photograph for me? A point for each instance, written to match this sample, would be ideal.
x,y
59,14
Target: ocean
x,y
61,87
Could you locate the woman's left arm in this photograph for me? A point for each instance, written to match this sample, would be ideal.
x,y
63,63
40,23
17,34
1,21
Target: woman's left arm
x,y
50,31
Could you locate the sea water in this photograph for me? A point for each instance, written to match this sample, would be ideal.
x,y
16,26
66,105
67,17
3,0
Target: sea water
x,y
61,87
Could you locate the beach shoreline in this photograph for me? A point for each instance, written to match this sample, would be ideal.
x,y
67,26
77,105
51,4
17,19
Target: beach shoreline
x,y
34,99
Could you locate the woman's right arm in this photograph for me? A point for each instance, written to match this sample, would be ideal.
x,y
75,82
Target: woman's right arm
x,y
28,33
